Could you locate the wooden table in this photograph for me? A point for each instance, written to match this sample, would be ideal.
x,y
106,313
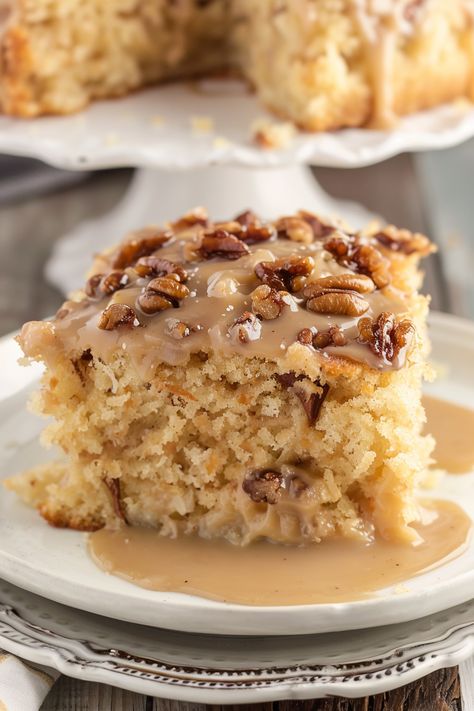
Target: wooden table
x,y
28,230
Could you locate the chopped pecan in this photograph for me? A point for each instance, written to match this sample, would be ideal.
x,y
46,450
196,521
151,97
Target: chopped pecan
x,y
320,229
254,234
282,274
295,228
144,242
221,244
404,241
117,315
232,227
246,328
157,267
113,485
247,218
198,216
334,336
263,486
338,303
311,395
162,293
177,329
113,282
362,258
92,285
100,285
253,231
305,337
267,302
385,336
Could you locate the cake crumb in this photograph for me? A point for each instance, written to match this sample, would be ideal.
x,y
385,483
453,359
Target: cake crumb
x,y
270,135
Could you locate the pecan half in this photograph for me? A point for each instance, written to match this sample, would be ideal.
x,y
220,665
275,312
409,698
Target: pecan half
x,y
117,315
221,244
246,328
338,303
263,486
113,485
157,266
311,395
144,242
386,337
267,302
282,274
361,258
354,282
295,228
162,293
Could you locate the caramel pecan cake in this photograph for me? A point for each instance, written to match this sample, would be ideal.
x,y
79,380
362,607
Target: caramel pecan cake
x,y
244,379
321,63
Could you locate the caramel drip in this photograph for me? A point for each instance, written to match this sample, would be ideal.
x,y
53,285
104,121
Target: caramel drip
x,y
380,25
273,574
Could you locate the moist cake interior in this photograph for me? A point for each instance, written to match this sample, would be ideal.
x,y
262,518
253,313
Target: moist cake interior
x,y
247,379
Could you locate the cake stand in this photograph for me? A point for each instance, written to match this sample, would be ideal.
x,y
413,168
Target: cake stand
x,y
192,144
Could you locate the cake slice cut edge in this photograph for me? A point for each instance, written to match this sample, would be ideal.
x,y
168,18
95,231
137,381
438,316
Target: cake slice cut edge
x,y
245,379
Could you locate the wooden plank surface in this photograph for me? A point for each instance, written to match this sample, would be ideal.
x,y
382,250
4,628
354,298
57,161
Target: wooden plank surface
x,y
28,231
437,692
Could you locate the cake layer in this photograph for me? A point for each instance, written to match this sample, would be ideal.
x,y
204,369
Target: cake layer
x,y
321,63
242,379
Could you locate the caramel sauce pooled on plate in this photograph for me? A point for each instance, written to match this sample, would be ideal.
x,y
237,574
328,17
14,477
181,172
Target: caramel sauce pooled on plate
x,y
452,426
271,574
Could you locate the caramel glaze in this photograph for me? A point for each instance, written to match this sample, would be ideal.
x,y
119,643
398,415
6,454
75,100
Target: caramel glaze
x,y
272,574
453,429
219,293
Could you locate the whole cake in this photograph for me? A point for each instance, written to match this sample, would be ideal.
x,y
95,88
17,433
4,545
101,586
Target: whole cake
x,y
243,379
321,63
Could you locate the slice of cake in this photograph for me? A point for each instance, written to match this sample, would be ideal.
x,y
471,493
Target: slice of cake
x,y
321,63
244,379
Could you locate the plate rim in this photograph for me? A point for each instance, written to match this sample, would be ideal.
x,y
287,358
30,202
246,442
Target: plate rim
x,y
70,656
188,608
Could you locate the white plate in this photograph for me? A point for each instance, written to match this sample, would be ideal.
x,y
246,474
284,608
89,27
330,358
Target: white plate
x,y
232,670
54,563
126,132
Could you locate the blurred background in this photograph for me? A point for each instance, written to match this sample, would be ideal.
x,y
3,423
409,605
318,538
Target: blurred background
x,y
431,192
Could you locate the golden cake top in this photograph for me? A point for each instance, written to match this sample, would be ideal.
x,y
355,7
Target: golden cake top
x,y
249,286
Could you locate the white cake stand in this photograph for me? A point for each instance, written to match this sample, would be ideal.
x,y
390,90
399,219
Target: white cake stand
x,y
192,145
